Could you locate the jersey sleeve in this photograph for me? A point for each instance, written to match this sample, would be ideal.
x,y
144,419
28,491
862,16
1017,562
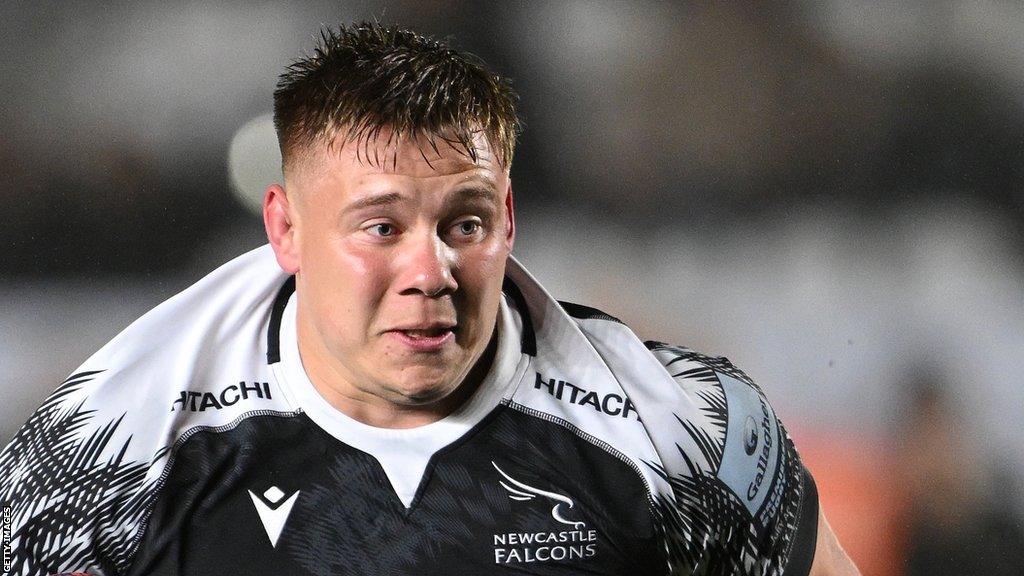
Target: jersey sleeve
x,y
742,502
67,489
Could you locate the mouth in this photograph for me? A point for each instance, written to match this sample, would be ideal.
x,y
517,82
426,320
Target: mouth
x,y
426,332
425,338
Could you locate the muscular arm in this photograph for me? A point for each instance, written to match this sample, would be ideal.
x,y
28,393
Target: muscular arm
x,y
829,557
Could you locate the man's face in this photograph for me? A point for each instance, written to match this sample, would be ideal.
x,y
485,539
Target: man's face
x,y
399,265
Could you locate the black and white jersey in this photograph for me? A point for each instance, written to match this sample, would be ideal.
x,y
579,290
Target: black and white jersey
x,y
195,443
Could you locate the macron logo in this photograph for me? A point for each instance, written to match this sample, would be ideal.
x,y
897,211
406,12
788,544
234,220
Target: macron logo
x,y
273,509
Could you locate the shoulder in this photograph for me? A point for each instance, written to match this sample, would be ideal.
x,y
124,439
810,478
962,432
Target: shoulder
x,y
738,491
727,487
90,457
137,387
152,377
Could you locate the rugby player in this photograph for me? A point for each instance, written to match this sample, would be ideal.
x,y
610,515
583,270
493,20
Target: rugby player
x,y
383,389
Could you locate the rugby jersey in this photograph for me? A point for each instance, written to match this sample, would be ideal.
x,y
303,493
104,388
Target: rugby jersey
x,y
194,443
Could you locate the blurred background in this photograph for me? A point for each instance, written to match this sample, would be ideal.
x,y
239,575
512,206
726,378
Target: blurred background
x,y
829,193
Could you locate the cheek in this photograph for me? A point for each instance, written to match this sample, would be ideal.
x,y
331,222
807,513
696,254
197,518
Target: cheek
x,y
349,283
492,262
481,274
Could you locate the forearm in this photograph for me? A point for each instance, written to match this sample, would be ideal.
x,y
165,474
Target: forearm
x,y
829,557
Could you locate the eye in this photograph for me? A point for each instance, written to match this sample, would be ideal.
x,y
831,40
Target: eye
x,y
382,229
468,227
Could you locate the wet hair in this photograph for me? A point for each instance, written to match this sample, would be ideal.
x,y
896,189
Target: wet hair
x,y
365,78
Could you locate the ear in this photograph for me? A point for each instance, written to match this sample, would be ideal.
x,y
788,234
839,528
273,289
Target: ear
x,y
278,219
511,214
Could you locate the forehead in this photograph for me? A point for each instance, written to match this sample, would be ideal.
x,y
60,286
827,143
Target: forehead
x,y
388,156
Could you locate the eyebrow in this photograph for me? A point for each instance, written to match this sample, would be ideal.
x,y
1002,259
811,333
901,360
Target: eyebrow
x,y
475,192
476,187
374,200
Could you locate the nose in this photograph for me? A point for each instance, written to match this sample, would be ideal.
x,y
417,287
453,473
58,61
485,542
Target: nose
x,y
426,267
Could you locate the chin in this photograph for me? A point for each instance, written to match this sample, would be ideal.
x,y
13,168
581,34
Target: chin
x,y
423,389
